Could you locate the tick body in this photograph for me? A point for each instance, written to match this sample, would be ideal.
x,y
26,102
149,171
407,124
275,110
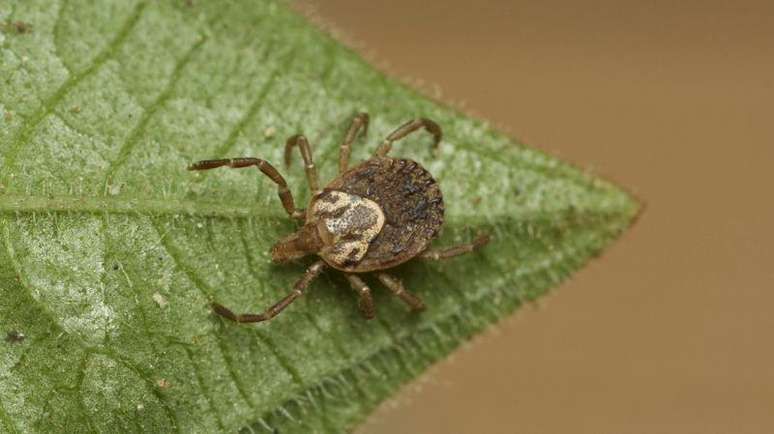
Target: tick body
x,y
372,217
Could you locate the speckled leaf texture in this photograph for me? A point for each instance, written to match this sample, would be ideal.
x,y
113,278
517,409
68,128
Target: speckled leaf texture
x,y
110,250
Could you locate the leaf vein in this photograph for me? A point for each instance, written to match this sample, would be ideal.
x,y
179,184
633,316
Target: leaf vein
x,y
78,390
281,360
149,383
263,92
205,390
77,338
229,363
16,267
207,293
15,204
48,107
136,134
56,35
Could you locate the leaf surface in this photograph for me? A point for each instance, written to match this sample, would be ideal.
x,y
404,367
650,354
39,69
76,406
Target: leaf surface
x,y
110,251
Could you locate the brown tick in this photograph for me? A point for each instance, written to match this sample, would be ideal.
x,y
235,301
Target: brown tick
x,y
372,217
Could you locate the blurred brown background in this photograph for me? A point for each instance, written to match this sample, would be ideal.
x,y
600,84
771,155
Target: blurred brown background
x,y
671,331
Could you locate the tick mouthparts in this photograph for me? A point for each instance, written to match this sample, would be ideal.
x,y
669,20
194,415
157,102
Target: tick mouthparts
x,y
296,245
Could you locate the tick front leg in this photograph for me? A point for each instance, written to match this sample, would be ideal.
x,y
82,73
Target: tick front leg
x,y
449,252
306,154
396,286
360,121
298,289
286,197
408,128
365,302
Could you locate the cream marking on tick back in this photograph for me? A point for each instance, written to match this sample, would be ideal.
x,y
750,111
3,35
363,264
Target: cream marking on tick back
x,y
349,222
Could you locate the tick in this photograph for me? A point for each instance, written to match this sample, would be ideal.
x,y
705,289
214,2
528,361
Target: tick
x,y
370,218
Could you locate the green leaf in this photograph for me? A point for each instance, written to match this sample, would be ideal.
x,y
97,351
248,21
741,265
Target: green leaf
x,y
111,251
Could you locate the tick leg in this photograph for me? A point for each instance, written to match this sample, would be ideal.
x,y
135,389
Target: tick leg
x,y
282,187
449,252
298,289
408,128
396,286
365,302
359,121
306,154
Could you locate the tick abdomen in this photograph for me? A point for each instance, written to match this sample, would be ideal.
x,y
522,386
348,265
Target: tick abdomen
x,y
410,201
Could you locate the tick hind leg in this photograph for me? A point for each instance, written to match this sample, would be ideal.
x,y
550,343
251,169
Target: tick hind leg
x,y
306,154
286,197
360,121
298,289
450,252
365,302
408,128
396,286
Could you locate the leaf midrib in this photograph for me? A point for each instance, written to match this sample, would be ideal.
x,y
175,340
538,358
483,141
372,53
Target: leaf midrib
x,y
15,204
